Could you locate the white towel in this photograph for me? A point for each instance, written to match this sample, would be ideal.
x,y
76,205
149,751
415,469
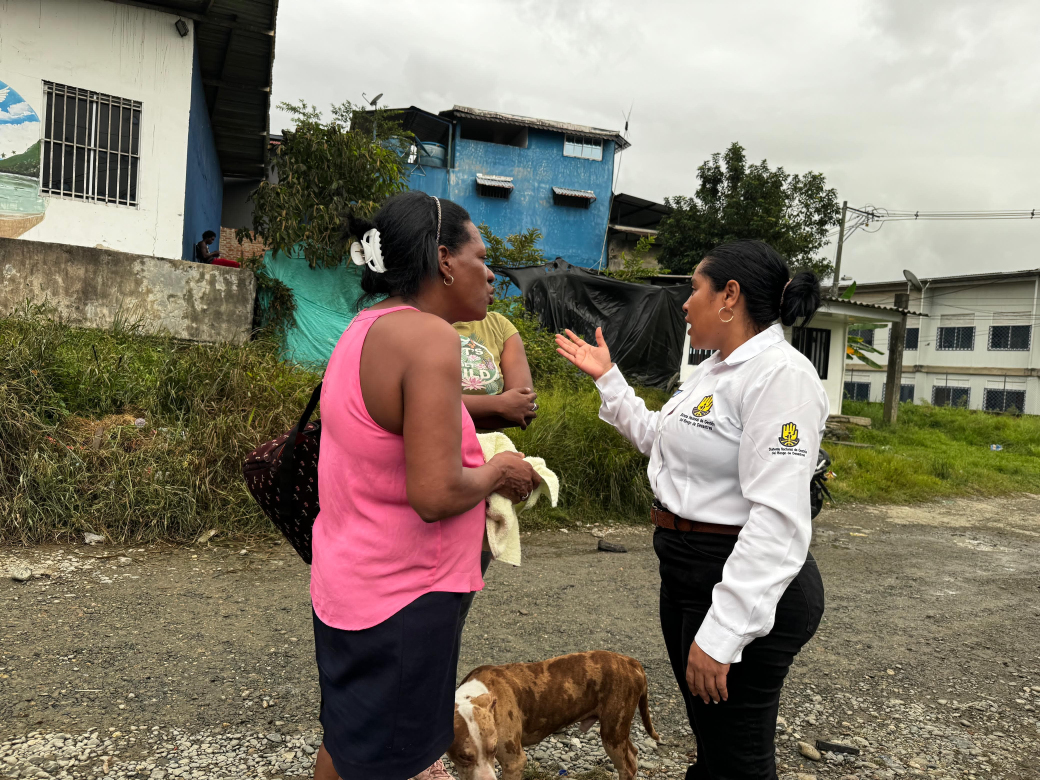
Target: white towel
x,y
503,528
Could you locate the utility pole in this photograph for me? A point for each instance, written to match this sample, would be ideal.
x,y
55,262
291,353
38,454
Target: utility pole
x,y
894,377
837,255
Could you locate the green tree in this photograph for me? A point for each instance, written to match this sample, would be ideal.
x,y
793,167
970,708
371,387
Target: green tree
x,y
326,171
516,251
633,268
735,200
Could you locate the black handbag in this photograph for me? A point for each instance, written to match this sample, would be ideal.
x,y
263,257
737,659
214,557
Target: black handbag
x,y
282,476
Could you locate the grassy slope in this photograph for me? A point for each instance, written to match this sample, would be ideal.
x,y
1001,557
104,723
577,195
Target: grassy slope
x,y
937,452
72,459
25,164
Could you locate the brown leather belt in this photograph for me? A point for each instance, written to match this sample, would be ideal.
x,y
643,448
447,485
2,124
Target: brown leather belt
x,y
665,519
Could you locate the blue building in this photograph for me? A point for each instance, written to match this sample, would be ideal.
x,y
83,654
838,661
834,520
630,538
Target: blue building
x,y
515,173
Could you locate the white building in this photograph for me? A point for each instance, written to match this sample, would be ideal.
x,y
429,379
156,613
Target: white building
x,y
822,341
977,348
121,121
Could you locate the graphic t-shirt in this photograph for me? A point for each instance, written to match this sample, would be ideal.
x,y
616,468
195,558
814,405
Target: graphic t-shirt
x,y
482,343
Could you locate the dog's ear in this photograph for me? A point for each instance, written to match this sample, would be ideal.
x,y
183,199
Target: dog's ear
x,y
491,707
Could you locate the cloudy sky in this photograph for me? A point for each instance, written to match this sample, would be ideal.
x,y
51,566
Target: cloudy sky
x,y
905,104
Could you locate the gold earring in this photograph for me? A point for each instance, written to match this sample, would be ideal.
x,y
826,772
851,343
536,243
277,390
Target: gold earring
x,y
446,282
731,314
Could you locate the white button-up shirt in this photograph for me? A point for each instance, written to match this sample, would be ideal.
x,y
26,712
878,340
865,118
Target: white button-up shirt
x,y
736,445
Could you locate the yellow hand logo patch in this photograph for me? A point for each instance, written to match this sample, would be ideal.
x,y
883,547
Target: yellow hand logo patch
x,y
704,406
789,435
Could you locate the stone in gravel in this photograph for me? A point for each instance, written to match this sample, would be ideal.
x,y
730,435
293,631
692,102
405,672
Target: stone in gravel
x,y
836,747
803,776
20,573
274,737
809,751
93,539
122,560
604,546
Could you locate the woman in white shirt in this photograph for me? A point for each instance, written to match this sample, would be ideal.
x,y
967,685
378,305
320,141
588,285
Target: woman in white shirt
x,y
731,456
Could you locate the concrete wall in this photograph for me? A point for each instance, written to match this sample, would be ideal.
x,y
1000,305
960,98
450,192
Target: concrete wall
x,y
91,287
119,50
972,304
575,234
619,243
204,183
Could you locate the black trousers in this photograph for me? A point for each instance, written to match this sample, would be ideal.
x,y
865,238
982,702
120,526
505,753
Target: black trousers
x,y
735,738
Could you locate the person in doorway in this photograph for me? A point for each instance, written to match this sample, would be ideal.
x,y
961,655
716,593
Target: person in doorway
x,y
731,457
403,485
202,253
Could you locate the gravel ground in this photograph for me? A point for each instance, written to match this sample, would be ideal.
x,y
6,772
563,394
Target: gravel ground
x,y
197,662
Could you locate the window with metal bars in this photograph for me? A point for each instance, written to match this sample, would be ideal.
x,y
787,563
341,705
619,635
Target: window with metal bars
x,y
951,396
698,356
1014,338
866,334
815,344
857,391
912,335
957,339
91,146
997,400
906,393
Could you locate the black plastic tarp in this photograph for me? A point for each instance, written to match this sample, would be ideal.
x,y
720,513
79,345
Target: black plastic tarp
x,y
642,324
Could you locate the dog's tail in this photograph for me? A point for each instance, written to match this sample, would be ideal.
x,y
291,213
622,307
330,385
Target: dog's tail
x,y
644,712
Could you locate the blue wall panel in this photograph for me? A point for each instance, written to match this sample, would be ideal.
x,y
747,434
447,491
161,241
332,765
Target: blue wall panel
x,y
575,234
203,184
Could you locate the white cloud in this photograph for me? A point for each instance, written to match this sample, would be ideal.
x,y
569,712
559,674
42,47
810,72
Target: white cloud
x,y
16,111
15,139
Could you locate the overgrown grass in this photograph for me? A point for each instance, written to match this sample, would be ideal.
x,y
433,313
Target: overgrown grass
x,y
936,452
602,476
72,458
141,437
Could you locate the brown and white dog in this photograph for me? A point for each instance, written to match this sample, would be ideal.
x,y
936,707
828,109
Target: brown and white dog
x,y
501,709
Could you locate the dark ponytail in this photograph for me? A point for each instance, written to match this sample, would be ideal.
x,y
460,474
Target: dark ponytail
x,y
800,299
407,225
763,275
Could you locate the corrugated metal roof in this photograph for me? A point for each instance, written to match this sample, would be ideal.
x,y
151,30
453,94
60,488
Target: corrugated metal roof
x,y
575,193
486,179
995,276
463,112
636,231
863,304
236,56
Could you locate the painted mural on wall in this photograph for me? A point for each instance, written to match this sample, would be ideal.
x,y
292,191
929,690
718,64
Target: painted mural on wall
x,y
21,207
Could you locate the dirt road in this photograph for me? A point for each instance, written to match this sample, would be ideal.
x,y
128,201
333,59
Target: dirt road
x,y
198,662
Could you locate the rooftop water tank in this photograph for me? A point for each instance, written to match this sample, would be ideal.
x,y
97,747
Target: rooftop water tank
x,y
433,154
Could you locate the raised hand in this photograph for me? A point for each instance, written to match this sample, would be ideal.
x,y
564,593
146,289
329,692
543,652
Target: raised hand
x,y
594,361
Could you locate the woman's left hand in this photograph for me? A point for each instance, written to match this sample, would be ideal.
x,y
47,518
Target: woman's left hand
x,y
706,676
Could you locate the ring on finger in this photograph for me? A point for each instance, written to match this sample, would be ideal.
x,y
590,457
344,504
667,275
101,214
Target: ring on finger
x,y
534,407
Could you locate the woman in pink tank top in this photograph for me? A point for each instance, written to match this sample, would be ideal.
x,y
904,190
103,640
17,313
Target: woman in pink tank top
x,y
402,484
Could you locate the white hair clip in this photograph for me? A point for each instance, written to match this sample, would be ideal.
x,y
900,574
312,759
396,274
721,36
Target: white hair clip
x,y
367,252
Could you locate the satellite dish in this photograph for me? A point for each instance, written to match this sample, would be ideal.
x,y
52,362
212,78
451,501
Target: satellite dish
x,y
914,281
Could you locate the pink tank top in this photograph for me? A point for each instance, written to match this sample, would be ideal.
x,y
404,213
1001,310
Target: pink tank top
x,y
372,553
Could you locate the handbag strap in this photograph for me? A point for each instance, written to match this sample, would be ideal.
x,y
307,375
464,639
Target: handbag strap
x,y
287,461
